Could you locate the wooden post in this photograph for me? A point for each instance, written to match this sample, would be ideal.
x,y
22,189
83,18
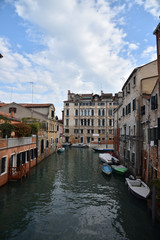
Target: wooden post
x,y
153,203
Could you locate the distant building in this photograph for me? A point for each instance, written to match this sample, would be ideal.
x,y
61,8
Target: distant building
x,y
88,118
17,155
44,114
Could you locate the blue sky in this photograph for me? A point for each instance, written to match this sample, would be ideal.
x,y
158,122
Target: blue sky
x,y
80,45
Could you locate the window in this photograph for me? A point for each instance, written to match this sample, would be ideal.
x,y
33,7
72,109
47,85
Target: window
x,y
143,110
110,131
92,131
153,135
154,102
23,157
66,130
103,122
52,114
76,112
99,122
28,155
99,112
31,154
88,131
110,112
76,131
67,122
92,112
134,81
67,112
12,109
103,112
3,165
111,122
128,108
35,152
67,104
123,111
76,122
99,131
134,130
92,122
81,131
134,104
128,87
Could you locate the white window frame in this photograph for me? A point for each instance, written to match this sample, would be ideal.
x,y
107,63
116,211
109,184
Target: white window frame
x,y
6,165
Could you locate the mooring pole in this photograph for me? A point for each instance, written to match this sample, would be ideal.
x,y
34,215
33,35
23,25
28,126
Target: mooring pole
x,y
153,204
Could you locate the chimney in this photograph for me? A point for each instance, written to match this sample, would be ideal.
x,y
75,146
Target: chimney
x,y
157,33
12,112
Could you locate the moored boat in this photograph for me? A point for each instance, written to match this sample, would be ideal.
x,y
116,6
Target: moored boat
x,y
138,188
108,158
79,145
120,169
106,169
60,149
103,150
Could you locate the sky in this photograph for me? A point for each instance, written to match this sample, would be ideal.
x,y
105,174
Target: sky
x,y
85,46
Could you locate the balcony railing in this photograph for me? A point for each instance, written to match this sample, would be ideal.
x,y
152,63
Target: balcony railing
x,y
14,142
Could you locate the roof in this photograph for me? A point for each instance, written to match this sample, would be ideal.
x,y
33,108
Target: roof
x,y
9,116
157,29
29,105
2,104
134,71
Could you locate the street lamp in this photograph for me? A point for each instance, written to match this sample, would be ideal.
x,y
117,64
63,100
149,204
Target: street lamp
x,y
1,56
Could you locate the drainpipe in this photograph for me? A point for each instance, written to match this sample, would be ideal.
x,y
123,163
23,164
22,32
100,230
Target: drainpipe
x,y
148,143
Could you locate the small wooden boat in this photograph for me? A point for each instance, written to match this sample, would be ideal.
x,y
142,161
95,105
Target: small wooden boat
x,y
106,169
104,150
108,158
138,188
60,149
120,169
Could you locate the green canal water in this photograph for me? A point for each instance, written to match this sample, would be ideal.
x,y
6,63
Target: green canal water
x,y
68,198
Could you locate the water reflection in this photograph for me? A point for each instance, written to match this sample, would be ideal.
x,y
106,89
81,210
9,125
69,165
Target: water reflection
x,y
68,197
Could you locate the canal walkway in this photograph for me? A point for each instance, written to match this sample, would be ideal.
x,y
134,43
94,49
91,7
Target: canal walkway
x,y
68,197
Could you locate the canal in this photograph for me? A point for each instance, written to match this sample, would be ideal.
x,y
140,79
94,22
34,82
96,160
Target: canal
x,y
68,198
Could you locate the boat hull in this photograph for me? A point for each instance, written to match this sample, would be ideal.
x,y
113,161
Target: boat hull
x,y
121,170
106,169
103,150
138,188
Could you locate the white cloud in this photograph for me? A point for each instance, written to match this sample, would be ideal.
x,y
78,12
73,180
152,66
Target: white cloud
x,y
82,52
150,52
133,46
152,6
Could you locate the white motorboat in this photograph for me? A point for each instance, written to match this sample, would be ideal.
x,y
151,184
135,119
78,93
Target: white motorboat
x,y
108,158
138,188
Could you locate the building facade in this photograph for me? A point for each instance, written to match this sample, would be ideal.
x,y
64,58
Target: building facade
x,y
128,117
88,118
44,114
